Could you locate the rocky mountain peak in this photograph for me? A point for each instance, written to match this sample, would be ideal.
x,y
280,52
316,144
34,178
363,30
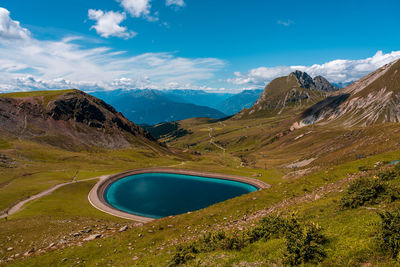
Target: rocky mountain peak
x,y
304,79
318,83
322,84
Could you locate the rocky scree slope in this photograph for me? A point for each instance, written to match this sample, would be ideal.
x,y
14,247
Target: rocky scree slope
x,y
69,119
373,99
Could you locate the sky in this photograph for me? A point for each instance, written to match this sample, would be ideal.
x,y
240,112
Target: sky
x,y
214,45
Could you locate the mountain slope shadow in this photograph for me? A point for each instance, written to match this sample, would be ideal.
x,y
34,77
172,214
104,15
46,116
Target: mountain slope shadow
x,y
326,106
171,130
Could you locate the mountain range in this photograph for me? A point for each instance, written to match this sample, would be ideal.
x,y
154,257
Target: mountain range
x,y
155,106
237,102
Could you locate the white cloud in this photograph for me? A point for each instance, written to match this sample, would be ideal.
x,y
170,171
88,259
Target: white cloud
x,y
180,3
30,64
11,29
136,8
285,23
65,64
108,24
336,71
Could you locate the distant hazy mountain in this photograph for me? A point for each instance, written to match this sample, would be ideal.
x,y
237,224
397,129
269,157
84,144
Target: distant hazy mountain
x,y
199,97
155,106
240,101
342,85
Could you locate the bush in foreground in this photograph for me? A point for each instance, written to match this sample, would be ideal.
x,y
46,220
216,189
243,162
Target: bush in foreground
x,y
304,243
184,254
387,176
364,191
268,227
389,232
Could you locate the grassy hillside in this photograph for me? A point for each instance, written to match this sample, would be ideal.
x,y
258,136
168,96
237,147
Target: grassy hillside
x,y
46,96
36,167
52,94
314,198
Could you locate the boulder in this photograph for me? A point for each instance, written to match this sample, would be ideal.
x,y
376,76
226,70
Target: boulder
x,y
93,237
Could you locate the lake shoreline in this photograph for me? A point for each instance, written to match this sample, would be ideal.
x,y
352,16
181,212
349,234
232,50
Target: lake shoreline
x,y
96,195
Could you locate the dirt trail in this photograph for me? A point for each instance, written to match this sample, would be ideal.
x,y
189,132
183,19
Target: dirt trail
x,y
212,140
19,205
177,165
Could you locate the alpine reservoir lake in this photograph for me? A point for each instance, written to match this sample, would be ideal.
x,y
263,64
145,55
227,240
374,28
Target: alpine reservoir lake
x,y
158,195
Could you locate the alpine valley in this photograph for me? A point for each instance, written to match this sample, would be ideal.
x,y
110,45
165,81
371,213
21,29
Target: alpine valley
x,y
327,154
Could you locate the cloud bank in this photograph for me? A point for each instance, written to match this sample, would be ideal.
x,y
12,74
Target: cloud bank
x,y
27,63
336,71
65,64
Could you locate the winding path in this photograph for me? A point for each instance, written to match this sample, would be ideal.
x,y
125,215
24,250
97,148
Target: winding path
x,y
14,209
211,130
98,202
18,206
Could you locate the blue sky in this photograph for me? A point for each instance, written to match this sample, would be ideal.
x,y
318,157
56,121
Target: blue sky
x,y
219,45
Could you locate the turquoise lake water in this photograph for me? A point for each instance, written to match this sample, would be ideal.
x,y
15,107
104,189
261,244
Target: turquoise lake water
x,y
158,195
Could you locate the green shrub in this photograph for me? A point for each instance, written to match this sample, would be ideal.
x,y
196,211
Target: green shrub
x,y
235,241
387,176
184,254
389,232
269,227
304,244
363,168
209,242
367,191
396,168
223,240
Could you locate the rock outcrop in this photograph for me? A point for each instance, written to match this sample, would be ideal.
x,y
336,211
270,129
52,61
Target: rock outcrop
x,y
322,84
304,80
318,83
